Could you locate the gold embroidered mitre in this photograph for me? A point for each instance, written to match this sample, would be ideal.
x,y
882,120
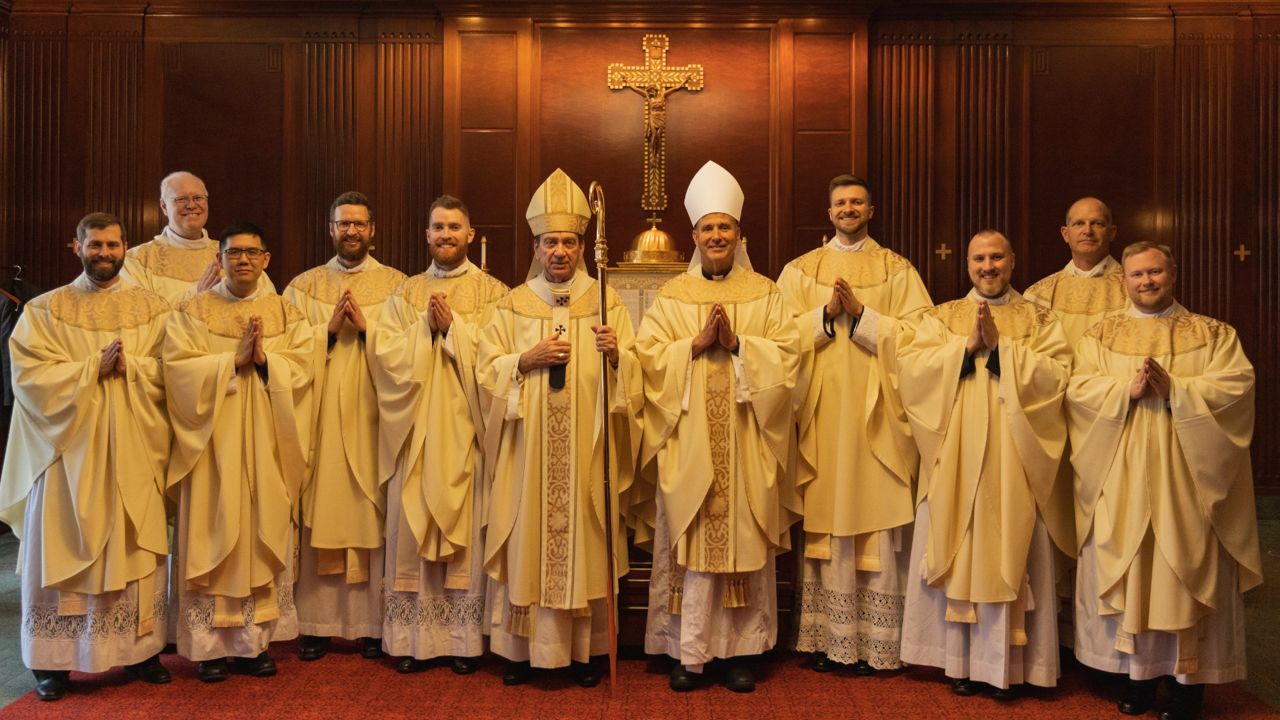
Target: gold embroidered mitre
x,y
558,205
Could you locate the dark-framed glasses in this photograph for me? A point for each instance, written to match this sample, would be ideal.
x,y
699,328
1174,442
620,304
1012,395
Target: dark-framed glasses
x,y
251,253
345,225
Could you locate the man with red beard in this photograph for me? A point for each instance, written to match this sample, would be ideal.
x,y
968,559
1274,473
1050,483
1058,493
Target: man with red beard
x,y
84,471
343,503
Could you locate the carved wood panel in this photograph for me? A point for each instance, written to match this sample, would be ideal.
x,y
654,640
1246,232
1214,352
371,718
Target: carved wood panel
x,y
329,139
903,128
984,140
112,172
1266,254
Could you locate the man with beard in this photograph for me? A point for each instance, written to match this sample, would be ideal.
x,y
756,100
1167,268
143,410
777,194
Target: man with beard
x,y
1161,417
982,380
431,430
857,459
237,367
719,349
182,260
539,371
83,482
343,502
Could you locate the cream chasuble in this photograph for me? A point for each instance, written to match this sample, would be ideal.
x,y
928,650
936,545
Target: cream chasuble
x,y
857,458
545,541
239,454
170,265
989,445
343,501
1080,298
430,450
88,455
1165,491
720,428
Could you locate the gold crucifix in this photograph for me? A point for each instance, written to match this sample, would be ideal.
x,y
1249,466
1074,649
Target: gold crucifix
x,y
943,252
654,81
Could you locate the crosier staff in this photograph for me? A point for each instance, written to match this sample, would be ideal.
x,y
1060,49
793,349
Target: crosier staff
x,y
595,197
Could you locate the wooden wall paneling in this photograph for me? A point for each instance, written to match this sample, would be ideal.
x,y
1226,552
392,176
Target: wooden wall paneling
x,y
904,146
1202,159
1266,248
39,233
407,138
486,134
984,147
329,140
784,239
830,104
105,61
6,140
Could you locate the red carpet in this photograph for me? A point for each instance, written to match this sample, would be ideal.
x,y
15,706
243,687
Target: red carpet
x,y
345,685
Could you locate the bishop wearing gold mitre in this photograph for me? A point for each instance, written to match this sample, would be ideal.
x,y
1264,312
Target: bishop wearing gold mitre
x,y
719,348
539,373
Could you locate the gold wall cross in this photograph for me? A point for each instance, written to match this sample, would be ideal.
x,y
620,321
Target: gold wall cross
x,y
1242,252
654,81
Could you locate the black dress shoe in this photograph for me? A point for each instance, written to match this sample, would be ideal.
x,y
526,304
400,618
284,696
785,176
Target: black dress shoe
x,y
586,674
738,678
1139,696
1006,694
819,662
863,668
370,648
964,687
1184,702
409,665
212,671
261,666
52,684
682,680
311,647
464,665
149,671
517,673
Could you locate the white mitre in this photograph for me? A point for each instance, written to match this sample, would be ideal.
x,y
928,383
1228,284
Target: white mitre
x,y
714,190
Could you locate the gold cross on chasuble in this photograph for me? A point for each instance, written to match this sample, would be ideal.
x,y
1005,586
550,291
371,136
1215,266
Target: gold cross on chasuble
x,y
655,80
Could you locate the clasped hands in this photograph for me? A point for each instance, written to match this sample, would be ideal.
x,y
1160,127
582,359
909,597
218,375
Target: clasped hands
x,y
716,331
111,360
842,301
551,350
985,335
439,314
1151,379
250,348
347,309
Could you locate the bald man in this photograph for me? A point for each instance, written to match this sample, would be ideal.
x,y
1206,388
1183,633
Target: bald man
x,y
982,381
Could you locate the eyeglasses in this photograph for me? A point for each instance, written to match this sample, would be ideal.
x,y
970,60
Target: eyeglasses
x,y
251,253
184,199
345,225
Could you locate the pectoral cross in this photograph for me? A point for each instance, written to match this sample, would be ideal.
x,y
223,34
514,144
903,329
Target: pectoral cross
x,y
655,80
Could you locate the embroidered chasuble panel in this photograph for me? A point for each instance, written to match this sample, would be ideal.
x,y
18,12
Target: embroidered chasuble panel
x,y
1081,295
126,308
1018,320
559,501
467,294
1176,334
711,536
173,262
370,287
868,268
228,318
740,287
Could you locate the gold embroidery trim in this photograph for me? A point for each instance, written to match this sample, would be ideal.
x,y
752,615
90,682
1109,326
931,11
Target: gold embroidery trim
x,y
558,494
370,287
717,533
105,311
1016,320
524,302
229,318
1148,337
868,268
175,262
741,286
1081,296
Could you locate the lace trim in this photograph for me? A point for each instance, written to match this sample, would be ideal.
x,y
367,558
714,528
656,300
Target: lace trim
x,y
117,619
197,610
411,610
823,612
